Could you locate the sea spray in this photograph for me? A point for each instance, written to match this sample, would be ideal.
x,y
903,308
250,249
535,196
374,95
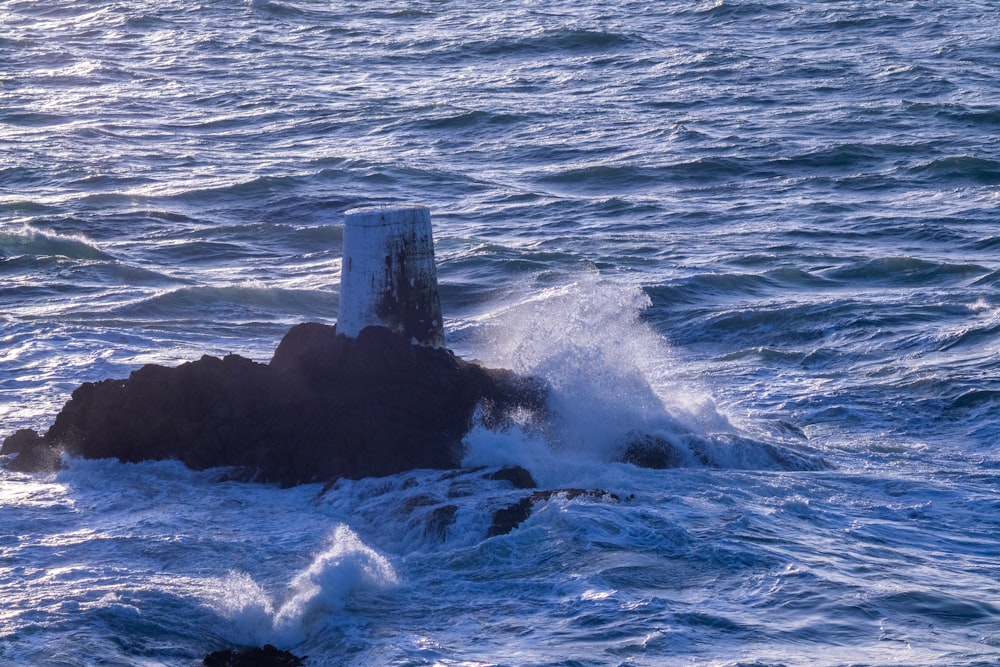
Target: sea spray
x,y
614,382
316,594
610,374
347,565
246,607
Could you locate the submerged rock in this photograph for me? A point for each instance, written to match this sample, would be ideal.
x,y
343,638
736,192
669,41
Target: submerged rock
x,y
649,451
325,407
510,517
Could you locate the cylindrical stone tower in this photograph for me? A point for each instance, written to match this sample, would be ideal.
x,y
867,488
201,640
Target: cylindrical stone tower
x,y
388,276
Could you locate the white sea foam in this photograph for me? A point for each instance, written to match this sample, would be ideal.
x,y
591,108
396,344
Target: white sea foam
x,y
610,374
317,593
246,607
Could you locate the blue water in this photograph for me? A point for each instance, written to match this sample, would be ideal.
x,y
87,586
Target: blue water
x,y
765,230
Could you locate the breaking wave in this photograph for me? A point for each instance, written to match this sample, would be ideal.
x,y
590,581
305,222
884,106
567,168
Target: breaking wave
x,y
617,388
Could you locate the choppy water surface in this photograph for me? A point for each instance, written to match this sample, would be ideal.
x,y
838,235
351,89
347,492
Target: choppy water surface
x,y
767,230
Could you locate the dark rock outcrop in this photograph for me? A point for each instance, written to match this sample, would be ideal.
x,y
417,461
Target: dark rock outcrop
x,y
519,477
510,517
325,407
649,451
268,656
33,452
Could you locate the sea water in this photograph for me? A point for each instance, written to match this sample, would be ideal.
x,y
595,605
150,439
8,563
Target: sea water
x,y
764,230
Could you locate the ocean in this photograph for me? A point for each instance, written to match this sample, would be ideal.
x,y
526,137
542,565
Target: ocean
x,y
766,230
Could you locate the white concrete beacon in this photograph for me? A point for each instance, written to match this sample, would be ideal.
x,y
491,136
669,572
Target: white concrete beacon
x,y
388,276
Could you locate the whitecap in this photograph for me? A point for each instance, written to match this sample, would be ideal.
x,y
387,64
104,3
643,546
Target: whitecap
x,y
316,594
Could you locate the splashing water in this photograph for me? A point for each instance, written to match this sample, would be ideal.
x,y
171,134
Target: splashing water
x,y
611,376
316,594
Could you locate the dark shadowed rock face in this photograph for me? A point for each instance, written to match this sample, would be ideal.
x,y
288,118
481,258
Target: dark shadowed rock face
x,y
268,656
518,477
33,452
510,517
649,451
325,407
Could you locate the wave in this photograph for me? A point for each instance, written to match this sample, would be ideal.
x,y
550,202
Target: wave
x,y
976,398
977,337
237,302
33,119
725,11
936,606
461,118
960,169
985,116
852,156
45,267
250,190
27,241
992,278
345,566
615,390
700,287
230,243
904,271
769,324
615,179
931,234
974,115
553,41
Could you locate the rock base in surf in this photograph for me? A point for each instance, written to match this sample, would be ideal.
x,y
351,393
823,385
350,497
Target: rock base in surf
x,y
325,407
510,517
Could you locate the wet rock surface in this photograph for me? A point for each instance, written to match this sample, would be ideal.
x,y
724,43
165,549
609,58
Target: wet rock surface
x,y
518,477
510,517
